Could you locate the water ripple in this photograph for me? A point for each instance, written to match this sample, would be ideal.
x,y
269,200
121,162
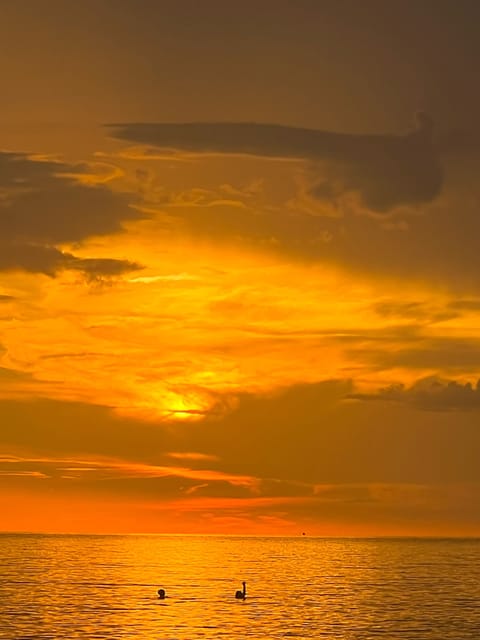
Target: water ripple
x,y
104,587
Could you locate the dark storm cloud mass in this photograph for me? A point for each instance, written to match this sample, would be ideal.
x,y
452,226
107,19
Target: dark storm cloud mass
x,y
386,170
41,205
431,394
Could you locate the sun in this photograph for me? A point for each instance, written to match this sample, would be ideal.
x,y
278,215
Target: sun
x,y
154,402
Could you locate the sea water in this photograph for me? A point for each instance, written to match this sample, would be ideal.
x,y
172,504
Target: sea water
x,y
105,587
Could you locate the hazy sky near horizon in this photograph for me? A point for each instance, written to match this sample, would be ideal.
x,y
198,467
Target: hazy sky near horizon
x,y
239,276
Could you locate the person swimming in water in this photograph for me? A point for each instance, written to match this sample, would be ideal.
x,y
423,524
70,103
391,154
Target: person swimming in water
x,y
241,595
161,594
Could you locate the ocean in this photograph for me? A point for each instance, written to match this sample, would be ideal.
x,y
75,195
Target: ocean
x,y
105,587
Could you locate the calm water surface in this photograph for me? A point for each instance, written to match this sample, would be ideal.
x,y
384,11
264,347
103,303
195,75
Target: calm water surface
x,y
105,587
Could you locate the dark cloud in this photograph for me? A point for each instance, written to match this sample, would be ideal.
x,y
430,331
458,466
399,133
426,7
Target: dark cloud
x,y
386,170
7,374
308,435
414,310
465,304
432,394
49,260
440,245
101,267
42,204
437,243
421,352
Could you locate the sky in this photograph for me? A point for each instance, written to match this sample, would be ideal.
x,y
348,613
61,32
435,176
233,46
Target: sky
x,y
240,267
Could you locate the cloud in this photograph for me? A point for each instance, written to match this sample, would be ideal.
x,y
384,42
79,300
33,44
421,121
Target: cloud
x,y
465,305
386,170
48,260
423,352
44,203
117,475
23,474
435,242
431,394
415,310
307,450
191,455
7,374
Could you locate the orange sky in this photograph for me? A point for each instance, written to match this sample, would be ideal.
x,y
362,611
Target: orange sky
x,y
268,327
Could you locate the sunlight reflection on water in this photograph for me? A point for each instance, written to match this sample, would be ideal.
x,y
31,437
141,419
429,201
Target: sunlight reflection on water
x,y
105,587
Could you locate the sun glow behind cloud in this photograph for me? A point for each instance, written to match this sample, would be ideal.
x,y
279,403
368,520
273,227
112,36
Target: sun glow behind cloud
x,y
172,344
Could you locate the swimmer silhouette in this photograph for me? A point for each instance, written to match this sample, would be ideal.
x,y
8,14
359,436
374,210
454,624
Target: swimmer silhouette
x,y
161,594
241,595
